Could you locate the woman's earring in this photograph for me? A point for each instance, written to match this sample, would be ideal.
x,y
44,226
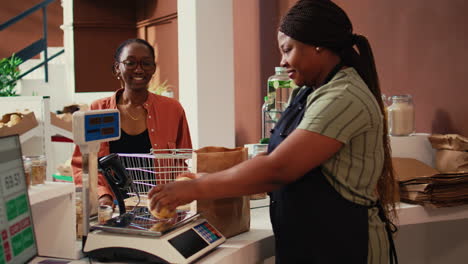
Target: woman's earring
x,y
317,49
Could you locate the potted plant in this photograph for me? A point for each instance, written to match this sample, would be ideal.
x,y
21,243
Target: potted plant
x,y
160,88
9,74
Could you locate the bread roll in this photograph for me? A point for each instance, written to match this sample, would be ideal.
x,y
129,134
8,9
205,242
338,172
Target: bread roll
x,y
183,179
186,177
14,119
164,213
160,226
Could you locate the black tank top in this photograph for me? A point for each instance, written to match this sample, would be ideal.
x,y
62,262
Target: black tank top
x,y
131,144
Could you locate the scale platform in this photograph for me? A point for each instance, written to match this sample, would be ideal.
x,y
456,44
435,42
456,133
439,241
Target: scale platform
x,y
181,240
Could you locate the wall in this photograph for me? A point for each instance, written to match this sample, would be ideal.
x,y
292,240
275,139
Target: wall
x,y
420,49
163,36
28,30
98,30
255,56
418,46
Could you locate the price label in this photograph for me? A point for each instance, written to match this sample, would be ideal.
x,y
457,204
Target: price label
x,y
12,181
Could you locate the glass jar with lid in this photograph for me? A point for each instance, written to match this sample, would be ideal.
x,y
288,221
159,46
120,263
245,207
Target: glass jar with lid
x,y
278,91
38,168
401,115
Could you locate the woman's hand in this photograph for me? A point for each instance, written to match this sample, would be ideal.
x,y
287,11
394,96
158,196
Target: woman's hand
x,y
106,200
172,194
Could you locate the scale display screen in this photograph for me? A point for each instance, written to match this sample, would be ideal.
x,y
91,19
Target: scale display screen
x,y
188,243
194,240
101,126
18,244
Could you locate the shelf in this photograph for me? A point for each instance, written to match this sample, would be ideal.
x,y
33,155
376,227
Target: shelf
x,y
34,132
410,214
49,190
60,131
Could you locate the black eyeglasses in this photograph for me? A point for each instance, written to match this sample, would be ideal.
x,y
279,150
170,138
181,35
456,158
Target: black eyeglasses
x,y
145,64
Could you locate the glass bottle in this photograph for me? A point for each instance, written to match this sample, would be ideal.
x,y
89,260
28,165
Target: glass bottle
x,y
278,91
401,115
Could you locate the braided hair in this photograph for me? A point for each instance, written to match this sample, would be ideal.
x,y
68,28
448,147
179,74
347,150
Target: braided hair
x,y
322,23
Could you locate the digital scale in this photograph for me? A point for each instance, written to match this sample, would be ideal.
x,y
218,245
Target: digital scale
x,y
131,235
184,244
17,240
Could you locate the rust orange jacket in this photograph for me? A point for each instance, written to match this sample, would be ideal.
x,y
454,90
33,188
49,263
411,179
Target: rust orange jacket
x,y
166,124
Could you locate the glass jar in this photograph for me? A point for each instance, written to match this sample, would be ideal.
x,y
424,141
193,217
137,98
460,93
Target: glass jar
x,y
27,170
38,169
259,148
104,213
401,115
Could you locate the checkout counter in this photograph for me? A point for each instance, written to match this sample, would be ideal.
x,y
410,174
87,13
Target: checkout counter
x,y
254,246
425,235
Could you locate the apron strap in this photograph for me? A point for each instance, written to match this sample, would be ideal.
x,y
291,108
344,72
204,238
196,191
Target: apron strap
x,y
391,229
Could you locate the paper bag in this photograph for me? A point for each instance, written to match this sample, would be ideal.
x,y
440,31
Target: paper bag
x,y
231,216
449,142
452,153
451,161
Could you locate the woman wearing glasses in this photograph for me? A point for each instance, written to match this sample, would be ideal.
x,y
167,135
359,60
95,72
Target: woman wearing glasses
x,y
147,120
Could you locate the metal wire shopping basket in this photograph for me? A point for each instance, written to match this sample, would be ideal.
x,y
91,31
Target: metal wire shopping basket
x,y
160,167
146,171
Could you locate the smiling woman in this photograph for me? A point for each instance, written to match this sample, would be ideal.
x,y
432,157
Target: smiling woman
x,y
147,120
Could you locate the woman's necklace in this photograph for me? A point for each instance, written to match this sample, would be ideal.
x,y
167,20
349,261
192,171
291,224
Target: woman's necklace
x,y
133,118
125,107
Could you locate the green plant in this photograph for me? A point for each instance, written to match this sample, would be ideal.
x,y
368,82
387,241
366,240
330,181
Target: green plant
x,y
159,88
9,74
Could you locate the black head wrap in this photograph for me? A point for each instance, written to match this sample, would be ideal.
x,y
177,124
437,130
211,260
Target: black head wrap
x,y
319,23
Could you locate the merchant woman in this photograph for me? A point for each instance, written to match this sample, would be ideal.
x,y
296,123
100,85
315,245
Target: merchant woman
x,y
328,168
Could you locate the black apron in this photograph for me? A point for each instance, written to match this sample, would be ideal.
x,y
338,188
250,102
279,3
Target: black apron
x,y
312,222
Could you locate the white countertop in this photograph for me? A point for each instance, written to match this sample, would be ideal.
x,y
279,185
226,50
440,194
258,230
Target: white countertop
x,y
248,247
258,243
49,190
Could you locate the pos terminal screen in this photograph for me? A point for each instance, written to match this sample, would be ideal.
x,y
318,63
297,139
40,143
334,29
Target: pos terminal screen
x,y
17,240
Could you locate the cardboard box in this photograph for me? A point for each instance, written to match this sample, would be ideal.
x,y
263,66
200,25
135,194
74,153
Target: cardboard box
x,y
63,121
28,122
407,169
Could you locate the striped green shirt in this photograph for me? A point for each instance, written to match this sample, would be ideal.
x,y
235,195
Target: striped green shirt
x,y
346,110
